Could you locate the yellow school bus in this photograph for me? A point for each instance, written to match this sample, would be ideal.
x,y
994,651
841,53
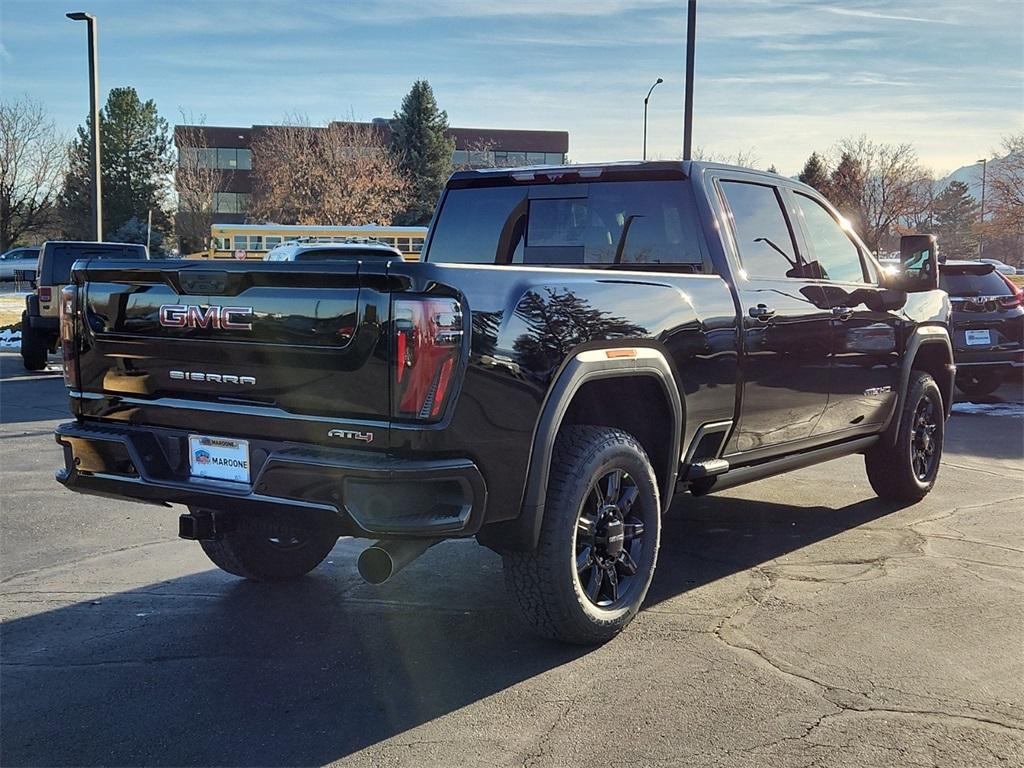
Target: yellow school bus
x,y
252,241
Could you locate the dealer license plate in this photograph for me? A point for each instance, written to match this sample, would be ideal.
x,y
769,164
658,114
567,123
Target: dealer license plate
x,y
219,458
978,337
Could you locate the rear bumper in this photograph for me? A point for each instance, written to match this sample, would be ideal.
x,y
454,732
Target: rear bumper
x,y
998,358
364,494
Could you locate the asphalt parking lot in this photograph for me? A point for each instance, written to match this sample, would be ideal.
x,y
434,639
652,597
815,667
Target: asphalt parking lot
x,y
793,622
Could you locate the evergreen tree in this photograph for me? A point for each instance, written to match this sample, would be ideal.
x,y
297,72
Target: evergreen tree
x,y
956,214
815,173
846,188
424,152
136,164
772,168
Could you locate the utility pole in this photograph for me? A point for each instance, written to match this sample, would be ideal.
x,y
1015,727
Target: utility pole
x,y
691,36
94,104
646,99
981,213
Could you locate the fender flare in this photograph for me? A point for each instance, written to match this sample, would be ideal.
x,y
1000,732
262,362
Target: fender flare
x,y
922,335
586,366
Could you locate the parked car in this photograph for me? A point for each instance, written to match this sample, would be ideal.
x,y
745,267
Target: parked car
x,y
18,259
578,345
39,320
988,324
348,250
1000,266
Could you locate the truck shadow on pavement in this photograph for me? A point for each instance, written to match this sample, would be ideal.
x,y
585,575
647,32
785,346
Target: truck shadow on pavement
x,y
210,670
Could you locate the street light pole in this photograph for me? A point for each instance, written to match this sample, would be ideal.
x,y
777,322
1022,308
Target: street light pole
x,y
691,36
981,213
94,105
646,99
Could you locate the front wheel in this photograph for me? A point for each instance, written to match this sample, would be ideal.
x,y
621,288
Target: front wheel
x,y
268,549
905,469
598,541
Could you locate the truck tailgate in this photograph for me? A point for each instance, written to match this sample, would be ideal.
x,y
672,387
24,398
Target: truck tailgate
x,y
297,345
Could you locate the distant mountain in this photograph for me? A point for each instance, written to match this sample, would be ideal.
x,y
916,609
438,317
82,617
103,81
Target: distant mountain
x,y
969,175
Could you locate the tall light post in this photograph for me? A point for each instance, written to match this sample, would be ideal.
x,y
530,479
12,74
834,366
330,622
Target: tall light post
x,y
646,99
981,213
691,37
94,104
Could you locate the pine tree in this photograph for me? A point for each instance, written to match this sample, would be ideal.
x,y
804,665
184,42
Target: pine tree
x,y
421,145
815,173
846,188
956,214
136,160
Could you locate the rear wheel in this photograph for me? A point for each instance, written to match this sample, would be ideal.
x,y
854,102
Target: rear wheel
x,y
598,542
33,346
977,382
905,469
269,549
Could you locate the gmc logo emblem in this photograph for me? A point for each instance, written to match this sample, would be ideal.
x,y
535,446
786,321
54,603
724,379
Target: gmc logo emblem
x,y
194,316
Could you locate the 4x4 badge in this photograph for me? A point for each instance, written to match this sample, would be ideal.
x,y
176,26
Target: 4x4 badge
x,y
351,434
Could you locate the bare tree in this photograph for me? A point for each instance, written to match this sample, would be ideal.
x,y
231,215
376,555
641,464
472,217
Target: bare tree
x,y
1003,229
341,174
747,158
197,179
889,187
32,162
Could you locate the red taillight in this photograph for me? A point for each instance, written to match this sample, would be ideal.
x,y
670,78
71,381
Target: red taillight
x,y
45,295
68,308
427,342
1017,299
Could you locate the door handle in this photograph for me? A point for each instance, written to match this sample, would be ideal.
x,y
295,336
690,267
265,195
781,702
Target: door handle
x,y
842,313
762,312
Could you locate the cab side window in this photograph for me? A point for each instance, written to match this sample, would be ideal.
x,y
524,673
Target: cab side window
x,y
836,254
763,237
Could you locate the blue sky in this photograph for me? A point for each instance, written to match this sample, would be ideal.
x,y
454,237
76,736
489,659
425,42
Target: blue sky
x,y
775,77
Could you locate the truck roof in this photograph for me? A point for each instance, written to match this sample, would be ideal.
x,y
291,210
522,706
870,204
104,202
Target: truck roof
x,y
623,170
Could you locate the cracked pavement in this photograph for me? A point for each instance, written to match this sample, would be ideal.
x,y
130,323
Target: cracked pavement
x,y
793,622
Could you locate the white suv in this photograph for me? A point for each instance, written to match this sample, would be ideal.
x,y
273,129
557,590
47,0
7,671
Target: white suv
x,y
345,250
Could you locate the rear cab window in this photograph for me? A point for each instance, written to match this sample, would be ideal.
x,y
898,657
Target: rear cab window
x,y
642,224
972,280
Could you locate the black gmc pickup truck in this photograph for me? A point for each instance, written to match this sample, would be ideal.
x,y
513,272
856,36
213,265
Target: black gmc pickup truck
x,y
577,346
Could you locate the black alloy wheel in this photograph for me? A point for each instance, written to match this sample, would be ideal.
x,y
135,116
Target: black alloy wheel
x,y
610,539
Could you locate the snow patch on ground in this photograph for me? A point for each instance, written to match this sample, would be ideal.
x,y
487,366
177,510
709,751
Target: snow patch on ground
x,y
10,339
990,409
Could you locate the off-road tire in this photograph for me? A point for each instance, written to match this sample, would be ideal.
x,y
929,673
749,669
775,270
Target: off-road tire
x,y
248,548
890,463
33,346
978,382
548,593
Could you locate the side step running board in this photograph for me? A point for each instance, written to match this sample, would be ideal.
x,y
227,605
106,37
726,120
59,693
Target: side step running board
x,y
707,468
742,475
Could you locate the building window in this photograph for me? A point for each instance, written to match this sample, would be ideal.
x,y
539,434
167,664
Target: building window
x,y
230,202
535,158
244,160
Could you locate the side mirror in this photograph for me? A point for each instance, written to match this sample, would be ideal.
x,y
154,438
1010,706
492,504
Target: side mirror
x,y
919,264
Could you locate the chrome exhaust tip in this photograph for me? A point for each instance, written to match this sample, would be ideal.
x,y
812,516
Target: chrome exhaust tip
x,y
379,562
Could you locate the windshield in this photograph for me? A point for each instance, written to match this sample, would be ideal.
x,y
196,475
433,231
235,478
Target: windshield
x,y
965,281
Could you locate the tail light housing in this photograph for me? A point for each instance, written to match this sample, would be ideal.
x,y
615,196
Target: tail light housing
x,y
1015,300
426,345
68,311
45,294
